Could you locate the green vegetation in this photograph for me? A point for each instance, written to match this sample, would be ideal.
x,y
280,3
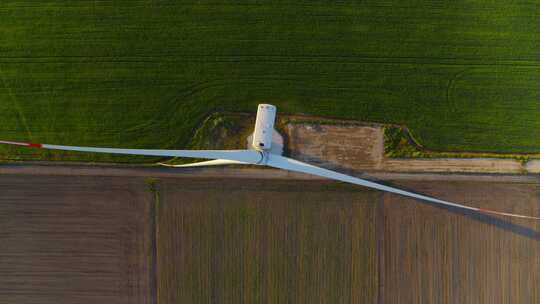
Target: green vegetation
x,y
219,131
152,184
461,76
398,143
222,131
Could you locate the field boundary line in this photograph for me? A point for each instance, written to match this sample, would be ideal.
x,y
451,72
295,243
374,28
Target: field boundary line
x,y
245,173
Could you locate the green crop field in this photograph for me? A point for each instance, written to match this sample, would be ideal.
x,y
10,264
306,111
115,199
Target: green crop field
x,y
462,76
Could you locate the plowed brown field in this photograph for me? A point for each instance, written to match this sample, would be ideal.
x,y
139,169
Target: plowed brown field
x,y
255,241
433,255
69,239
75,240
313,241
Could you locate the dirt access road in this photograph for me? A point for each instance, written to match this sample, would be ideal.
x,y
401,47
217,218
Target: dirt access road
x,y
242,172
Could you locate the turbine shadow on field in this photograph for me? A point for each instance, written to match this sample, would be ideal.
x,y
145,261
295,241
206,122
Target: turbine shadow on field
x,y
483,218
480,217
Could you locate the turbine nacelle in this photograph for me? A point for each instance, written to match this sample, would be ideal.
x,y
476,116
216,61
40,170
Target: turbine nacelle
x,y
264,127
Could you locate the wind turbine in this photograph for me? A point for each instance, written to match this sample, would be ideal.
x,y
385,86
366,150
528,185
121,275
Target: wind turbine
x,y
260,155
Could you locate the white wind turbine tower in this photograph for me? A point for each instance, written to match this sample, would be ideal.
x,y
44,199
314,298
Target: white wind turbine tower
x,y
261,155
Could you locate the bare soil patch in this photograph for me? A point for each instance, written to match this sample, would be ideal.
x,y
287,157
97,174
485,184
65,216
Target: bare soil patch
x,y
533,166
343,146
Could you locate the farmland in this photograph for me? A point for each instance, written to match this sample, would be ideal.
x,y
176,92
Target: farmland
x,y
75,240
461,76
270,242
430,255
266,243
89,239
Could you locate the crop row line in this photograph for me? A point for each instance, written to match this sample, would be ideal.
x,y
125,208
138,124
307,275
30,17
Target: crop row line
x,y
495,64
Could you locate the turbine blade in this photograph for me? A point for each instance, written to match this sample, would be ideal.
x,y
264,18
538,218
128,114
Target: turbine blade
x,y
215,162
245,156
281,162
